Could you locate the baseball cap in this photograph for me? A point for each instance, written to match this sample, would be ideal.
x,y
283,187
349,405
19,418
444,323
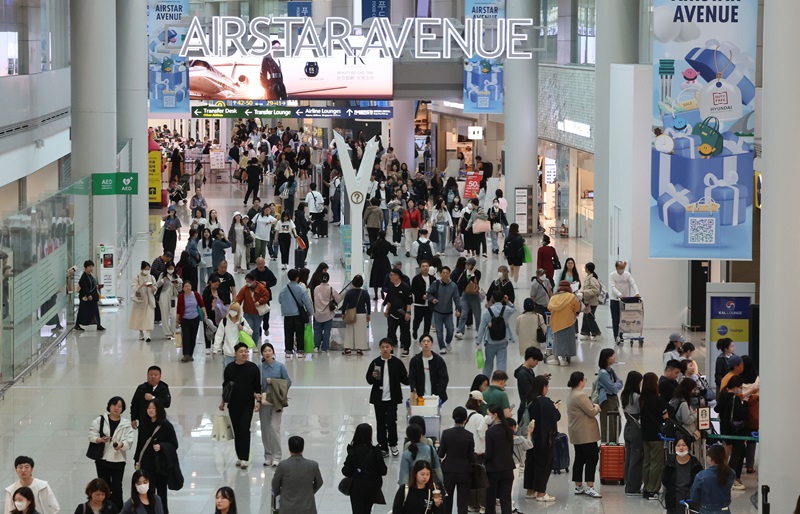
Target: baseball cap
x,y
733,361
476,395
171,208
528,305
676,338
236,213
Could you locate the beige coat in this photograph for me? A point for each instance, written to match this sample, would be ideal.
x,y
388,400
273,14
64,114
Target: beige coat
x,y
143,307
591,288
583,425
526,326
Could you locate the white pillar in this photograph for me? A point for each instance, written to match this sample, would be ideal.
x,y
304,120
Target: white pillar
x,y
401,9
778,465
617,42
132,98
94,105
522,116
320,10
402,132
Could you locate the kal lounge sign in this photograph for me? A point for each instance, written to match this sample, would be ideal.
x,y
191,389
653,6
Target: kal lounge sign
x,y
115,184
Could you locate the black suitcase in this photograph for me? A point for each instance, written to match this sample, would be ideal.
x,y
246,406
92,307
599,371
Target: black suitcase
x,y
299,258
560,453
322,227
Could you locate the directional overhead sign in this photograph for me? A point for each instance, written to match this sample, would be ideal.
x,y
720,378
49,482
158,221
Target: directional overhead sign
x,y
208,111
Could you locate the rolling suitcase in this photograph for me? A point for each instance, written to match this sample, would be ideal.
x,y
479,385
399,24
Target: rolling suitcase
x,y
612,456
299,258
164,198
560,453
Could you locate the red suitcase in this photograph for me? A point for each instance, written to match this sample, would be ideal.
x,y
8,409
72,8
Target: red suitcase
x,y
164,198
612,464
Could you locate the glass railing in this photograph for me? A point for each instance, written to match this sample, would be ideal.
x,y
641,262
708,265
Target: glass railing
x,y
38,245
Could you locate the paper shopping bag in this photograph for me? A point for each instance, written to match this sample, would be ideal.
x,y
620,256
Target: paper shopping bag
x,y
221,429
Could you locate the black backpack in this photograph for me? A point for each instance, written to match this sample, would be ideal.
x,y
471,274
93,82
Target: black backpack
x,y
424,252
497,327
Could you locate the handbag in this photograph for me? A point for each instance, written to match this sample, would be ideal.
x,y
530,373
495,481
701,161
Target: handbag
x,y
284,193
479,360
261,309
479,478
497,226
178,340
708,130
96,450
221,428
302,312
556,263
458,243
227,391
332,303
345,485
351,314
136,465
301,244
472,287
480,226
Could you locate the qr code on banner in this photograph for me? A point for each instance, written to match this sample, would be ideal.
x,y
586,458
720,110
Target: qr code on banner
x,y
169,100
702,231
483,102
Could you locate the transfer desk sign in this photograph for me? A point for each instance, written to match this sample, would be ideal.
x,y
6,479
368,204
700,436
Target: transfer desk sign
x,y
701,178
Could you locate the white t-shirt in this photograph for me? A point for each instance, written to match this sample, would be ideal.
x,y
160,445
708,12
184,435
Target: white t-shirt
x,y
334,184
315,202
387,390
286,227
426,366
264,226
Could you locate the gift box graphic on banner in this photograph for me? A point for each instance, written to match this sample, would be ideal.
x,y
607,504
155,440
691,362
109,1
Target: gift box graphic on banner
x,y
672,206
702,222
730,197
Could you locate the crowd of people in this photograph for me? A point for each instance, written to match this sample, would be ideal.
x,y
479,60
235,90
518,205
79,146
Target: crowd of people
x,y
476,465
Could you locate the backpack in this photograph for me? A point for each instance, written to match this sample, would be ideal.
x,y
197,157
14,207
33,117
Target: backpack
x,y
602,295
525,418
595,395
424,252
497,329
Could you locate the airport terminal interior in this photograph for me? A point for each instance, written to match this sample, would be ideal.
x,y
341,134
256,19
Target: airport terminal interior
x,y
624,136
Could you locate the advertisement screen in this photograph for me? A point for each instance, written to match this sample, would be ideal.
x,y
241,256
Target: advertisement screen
x,y
303,77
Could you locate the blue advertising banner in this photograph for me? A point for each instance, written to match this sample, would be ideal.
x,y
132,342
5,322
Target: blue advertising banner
x,y
376,9
167,22
299,9
701,182
483,78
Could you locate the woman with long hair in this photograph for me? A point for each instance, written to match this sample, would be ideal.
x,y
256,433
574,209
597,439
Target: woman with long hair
x,y
514,251
539,462
316,277
608,386
589,291
365,465
499,460
212,221
584,434
356,335
270,415
379,251
634,451
503,284
653,412
418,496
143,308
239,235
680,472
711,489
24,501
733,421
570,273
144,499
456,212
419,448
205,247
171,230
441,221
287,231
156,434
169,285
225,501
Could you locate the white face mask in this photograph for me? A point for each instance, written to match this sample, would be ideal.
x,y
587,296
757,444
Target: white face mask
x,y
145,272
488,418
233,314
682,454
500,275
383,186
142,488
21,505
170,271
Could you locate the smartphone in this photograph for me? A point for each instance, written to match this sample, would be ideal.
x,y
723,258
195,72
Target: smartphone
x,y
558,401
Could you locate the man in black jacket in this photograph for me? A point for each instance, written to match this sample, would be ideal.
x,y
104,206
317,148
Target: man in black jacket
x,y
427,372
153,388
385,374
397,309
457,451
419,286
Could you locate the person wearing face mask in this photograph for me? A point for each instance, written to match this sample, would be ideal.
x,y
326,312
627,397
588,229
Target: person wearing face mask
x,y
156,439
227,336
169,286
35,492
144,499
497,217
503,284
679,474
143,310
621,286
251,297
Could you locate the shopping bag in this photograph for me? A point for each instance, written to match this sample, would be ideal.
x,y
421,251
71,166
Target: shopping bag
x,y
178,340
528,257
301,244
221,429
308,339
245,338
458,243
479,358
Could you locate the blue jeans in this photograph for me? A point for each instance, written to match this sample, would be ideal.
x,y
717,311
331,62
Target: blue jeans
x,y
442,322
442,239
385,224
322,334
492,351
254,320
493,236
469,303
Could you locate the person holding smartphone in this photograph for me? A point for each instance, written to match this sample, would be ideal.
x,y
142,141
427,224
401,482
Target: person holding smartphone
x,y
143,309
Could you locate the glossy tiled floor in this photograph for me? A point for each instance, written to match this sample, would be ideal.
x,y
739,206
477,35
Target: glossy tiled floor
x,y
47,416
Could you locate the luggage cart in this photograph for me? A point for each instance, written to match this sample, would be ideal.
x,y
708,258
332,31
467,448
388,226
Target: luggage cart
x,y
431,414
687,504
548,351
631,320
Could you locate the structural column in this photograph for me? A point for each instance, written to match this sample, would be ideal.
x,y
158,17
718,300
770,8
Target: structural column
x,y
522,115
402,131
321,10
617,43
94,105
132,98
779,466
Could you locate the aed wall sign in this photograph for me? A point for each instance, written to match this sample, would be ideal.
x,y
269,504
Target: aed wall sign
x,y
115,184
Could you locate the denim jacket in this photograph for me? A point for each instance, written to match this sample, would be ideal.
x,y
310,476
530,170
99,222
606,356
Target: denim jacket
x,y
606,385
707,492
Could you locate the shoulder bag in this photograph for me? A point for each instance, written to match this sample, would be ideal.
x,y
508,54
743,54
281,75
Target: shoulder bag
x,y
302,312
262,309
136,465
227,391
332,302
351,314
96,450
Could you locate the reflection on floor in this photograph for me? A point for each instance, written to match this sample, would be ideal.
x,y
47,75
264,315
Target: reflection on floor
x,y
47,416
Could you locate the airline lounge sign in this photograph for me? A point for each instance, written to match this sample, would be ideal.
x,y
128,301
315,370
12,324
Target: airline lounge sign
x,y
433,38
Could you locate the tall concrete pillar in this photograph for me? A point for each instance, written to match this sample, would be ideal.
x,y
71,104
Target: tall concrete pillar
x,y
320,10
402,131
29,47
132,98
94,105
522,115
778,463
617,43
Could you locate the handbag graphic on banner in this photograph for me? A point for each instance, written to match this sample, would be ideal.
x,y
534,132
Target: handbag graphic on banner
x,y
720,98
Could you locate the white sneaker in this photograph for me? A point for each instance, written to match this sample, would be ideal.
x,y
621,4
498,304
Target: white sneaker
x,y
737,486
141,336
443,351
275,462
579,490
238,464
546,498
245,464
590,491
459,335
208,351
449,348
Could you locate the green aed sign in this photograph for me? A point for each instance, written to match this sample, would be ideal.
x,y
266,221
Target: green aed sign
x,y
115,183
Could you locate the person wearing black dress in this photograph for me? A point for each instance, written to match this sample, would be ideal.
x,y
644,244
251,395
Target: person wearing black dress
x,y
244,400
539,460
154,433
89,295
379,251
365,465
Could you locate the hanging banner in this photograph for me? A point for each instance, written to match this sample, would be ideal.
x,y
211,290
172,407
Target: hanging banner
x,y
167,23
375,9
299,9
701,182
483,78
